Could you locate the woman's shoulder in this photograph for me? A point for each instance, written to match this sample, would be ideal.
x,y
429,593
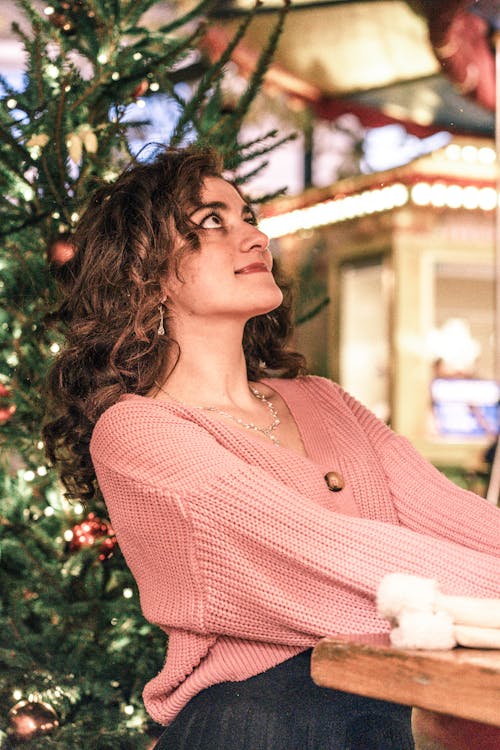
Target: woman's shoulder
x,y
138,423
312,385
130,411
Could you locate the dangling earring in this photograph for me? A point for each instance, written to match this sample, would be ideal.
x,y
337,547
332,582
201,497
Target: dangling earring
x,y
161,327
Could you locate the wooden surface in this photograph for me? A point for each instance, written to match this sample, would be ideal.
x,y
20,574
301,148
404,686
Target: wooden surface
x,y
461,682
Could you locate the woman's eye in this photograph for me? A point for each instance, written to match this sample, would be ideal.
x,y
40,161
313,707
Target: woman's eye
x,y
211,221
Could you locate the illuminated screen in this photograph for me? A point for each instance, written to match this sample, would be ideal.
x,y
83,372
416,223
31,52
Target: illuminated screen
x,y
466,407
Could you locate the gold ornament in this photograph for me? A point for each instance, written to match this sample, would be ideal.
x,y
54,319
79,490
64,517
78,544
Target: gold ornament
x,y
29,719
40,140
75,147
89,138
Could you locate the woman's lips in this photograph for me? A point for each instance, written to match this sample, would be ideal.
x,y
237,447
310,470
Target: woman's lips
x,y
253,268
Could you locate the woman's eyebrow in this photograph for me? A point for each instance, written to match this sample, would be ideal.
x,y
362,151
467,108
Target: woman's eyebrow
x,y
221,206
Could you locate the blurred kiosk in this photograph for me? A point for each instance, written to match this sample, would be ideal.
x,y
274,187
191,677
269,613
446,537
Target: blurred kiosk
x,y
407,259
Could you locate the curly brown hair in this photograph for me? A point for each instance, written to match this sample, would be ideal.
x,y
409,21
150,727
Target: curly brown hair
x,y
124,247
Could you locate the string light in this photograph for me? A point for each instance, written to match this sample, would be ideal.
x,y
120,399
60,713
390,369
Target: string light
x,y
54,348
128,593
335,210
438,194
470,153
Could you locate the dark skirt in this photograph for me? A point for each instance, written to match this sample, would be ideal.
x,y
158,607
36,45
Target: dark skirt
x,y
282,709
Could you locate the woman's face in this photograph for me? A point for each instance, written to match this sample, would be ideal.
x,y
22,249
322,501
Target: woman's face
x,y
230,275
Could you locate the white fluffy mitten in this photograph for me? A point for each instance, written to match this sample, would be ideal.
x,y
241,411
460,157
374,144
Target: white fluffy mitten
x,y
424,618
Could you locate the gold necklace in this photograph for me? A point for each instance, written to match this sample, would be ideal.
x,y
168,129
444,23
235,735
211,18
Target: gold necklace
x,y
266,431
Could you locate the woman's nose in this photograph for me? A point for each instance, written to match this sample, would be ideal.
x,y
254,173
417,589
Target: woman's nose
x,y
256,240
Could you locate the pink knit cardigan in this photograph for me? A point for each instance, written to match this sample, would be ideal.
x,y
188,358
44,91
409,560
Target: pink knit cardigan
x,y
242,554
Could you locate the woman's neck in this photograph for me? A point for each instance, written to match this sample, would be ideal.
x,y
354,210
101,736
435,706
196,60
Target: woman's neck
x,y
210,369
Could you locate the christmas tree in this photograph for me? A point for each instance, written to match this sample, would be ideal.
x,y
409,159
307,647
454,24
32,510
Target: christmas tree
x,y
75,650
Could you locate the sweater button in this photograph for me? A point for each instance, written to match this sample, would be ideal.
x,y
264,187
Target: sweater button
x,y
334,481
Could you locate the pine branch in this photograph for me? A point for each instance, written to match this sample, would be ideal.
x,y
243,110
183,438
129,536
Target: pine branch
x,y
211,75
257,77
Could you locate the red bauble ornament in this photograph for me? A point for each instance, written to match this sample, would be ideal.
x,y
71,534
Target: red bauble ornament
x,y
90,532
7,411
5,414
29,719
140,89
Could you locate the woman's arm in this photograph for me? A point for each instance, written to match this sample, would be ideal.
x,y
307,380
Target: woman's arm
x,y
262,560
425,500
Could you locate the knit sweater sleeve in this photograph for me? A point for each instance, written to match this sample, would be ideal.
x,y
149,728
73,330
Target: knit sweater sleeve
x,y
424,498
247,555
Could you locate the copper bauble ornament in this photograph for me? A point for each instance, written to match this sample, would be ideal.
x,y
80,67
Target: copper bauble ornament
x,y
29,719
60,249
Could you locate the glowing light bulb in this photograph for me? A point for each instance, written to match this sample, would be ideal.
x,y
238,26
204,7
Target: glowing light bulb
x,y
452,152
469,153
486,155
454,196
487,198
421,194
52,71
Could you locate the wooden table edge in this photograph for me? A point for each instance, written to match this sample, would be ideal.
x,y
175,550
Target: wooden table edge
x,y
461,682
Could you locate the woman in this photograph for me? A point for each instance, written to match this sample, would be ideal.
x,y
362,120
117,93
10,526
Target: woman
x,y
256,512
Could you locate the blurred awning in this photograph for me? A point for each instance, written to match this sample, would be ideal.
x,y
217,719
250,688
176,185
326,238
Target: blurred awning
x,y
429,63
